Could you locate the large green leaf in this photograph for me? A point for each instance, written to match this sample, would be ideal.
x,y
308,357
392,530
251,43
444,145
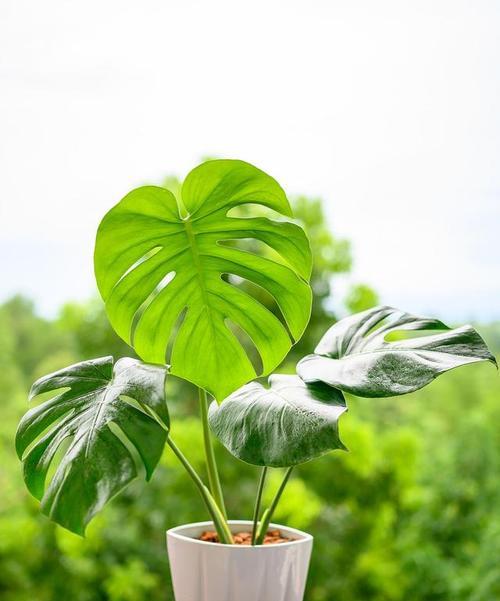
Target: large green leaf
x,y
99,460
286,424
356,356
161,261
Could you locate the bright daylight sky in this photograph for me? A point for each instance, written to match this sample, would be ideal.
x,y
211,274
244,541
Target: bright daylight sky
x,y
388,110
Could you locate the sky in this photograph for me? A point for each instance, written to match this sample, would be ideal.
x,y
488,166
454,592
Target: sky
x,y
386,110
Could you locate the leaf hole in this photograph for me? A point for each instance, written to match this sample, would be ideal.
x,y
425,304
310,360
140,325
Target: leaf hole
x,y
58,457
148,255
261,295
41,397
147,411
254,209
255,247
394,327
403,334
377,326
163,283
133,403
51,427
247,343
175,331
34,442
129,445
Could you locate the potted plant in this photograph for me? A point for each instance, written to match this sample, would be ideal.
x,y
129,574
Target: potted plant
x,y
204,292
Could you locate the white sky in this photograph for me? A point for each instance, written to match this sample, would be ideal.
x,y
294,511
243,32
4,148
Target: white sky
x,y
388,110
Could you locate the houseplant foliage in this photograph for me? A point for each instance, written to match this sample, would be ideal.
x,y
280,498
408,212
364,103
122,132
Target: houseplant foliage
x,y
286,423
168,268
295,419
96,464
159,262
357,355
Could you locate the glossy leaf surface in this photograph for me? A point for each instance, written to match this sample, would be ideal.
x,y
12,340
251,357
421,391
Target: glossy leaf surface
x,y
286,424
104,433
162,265
356,356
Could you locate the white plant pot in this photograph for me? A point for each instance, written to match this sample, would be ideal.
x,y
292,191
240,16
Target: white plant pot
x,y
203,571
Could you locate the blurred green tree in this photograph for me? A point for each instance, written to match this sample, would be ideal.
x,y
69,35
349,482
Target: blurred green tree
x,y
361,297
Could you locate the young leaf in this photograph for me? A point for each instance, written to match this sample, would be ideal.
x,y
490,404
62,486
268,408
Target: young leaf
x,y
283,425
96,464
355,355
161,260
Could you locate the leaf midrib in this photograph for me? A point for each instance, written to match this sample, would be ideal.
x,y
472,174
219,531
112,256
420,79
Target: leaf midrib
x,y
196,259
199,269
102,404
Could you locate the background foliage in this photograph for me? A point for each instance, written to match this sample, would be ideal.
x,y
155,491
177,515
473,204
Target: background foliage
x,y
411,512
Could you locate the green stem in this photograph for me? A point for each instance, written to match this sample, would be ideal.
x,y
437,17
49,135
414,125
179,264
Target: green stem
x,y
219,520
258,500
268,513
213,474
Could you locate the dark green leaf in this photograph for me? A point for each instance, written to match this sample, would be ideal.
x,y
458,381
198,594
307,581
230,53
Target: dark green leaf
x,y
161,261
286,424
356,356
96,464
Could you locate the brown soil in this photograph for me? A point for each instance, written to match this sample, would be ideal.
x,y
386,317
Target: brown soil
x,y
273,537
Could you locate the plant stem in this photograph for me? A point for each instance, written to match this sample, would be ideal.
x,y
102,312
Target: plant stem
x,y
213,474
219,520
268,513
258,500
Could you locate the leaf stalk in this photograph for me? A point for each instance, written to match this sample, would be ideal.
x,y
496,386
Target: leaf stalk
x,y
268,513
219,520
213,473
258,501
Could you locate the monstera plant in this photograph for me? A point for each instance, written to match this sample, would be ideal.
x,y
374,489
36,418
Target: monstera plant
x,y
204,292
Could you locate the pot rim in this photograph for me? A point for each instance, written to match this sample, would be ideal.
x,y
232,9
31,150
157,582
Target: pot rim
x,y
176,532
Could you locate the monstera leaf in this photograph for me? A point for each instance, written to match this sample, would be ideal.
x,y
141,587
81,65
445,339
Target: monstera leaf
x,y
356,356
103,430
162,265
286,424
